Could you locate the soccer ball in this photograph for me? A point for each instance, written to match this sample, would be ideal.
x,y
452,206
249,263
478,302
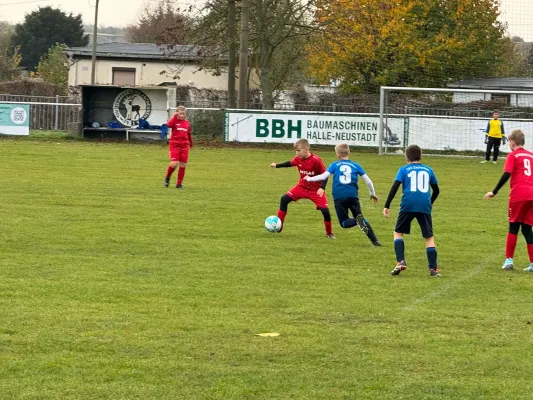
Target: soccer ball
x,y
273,224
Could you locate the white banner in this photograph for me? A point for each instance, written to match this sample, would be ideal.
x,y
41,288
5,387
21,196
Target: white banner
x,y
430,133
356,130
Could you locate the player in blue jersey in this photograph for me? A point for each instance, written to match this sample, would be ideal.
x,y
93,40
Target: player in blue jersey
x,y
416,180
345,191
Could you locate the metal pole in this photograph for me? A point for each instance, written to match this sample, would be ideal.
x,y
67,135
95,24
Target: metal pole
x,y
232,22
95,30
56,126
380,124
243,53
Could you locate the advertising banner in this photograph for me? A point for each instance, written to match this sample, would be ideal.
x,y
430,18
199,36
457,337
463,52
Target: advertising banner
x,y
356,130
14,119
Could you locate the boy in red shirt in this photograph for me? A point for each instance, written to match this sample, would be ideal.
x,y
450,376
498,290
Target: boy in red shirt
x,y
308,164
518,167
178,145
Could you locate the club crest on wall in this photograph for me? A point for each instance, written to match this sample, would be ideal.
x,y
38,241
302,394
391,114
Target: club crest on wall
x,y
130,106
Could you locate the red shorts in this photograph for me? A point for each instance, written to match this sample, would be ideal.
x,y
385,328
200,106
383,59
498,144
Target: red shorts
x,y
298,192
521,211
178,153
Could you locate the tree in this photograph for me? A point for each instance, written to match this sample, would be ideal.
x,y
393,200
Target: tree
x,y
157,22
9,55
53,66
368,43
277,41
44,28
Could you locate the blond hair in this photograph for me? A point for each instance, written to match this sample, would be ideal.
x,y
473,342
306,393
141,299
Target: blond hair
x,y
180,108
342,150
302,142
518,137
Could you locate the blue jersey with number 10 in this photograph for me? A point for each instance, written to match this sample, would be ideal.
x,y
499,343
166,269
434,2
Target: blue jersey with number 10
x,y
416,181
345,174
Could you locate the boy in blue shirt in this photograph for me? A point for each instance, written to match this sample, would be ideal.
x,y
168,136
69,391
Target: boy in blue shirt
x,y
345,191
416,180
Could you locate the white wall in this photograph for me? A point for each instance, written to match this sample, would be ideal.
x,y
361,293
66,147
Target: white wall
x,y
146,73
468,97
524,100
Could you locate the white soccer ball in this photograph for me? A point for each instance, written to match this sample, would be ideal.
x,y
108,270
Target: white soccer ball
x,y
273,224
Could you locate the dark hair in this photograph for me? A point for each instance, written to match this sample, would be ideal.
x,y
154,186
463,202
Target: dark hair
x,y
413,153
496,112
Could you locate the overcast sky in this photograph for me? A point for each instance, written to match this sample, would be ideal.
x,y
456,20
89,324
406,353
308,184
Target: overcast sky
x,y
517,13
110,12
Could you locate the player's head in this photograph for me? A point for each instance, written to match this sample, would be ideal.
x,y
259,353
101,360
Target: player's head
x,y
342,150
496,114
413,153
301,146
516,139
181,111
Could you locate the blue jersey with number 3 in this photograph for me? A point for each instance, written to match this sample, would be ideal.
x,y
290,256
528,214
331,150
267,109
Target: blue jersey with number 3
x,y
345,174
416,181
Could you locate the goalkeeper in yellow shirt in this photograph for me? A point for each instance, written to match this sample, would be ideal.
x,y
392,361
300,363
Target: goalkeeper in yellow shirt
x,y
494,135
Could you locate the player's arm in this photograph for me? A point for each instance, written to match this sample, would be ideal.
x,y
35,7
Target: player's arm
x,y
369,183
394,188
285,164
189,136
434,192
503,180
316,178
172,121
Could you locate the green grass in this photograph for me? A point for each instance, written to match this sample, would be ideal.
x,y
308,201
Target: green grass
x,y
112,287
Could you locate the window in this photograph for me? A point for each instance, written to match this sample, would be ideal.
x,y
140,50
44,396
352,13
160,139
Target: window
x,y
124,76
501,98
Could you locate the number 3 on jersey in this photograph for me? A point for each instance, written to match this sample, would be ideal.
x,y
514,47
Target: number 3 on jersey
x,y
346,177
419,181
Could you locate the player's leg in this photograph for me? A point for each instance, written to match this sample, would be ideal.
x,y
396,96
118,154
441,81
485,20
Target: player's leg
x,y
183,159
426,226
489,148
497,143
528,235
327,222
283,208
321,203
403,226
526,219
342,213
510,245
362,222
174,157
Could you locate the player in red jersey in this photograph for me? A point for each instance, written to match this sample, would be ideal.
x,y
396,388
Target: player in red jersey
x,y
308,164
518,167
178,145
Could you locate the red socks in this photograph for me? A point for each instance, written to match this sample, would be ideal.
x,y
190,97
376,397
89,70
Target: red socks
x,y
170,170
510,246
181,174
327,224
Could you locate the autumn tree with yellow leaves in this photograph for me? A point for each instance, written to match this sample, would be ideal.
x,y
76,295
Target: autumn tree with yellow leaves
x,y
428,43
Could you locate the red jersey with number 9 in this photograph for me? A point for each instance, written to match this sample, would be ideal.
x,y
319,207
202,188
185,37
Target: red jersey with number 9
x,y
519,164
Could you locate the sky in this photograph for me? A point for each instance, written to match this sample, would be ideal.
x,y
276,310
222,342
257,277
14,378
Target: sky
x,y
517,13
110,12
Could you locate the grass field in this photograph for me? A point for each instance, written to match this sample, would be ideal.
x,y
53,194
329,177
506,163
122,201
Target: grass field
x,y
113,287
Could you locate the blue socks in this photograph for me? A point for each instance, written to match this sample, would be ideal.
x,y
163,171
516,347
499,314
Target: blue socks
x,y
399,248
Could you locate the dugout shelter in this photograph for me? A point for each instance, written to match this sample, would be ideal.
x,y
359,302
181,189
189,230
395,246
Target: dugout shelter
x,y
112,111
